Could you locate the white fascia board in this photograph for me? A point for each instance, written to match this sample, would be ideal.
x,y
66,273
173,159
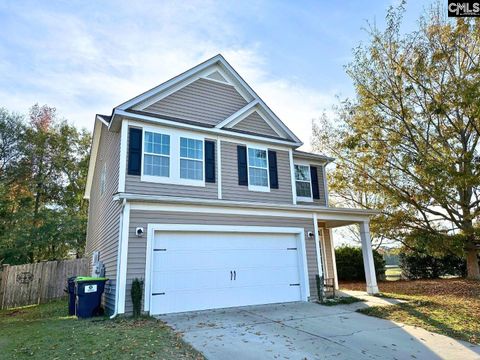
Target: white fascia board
x,y
102,120
314,158
237,116
224,133
245,112
262,103
122,166
177,79
97,131
324,213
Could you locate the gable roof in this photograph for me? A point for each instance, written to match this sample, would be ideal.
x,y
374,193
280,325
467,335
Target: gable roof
x,y
219,70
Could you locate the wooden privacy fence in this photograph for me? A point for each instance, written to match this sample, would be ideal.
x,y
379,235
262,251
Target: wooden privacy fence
x,y
37,283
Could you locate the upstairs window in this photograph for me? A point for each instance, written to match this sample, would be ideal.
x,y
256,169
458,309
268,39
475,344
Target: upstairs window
x,y
303,183
191,159
156,154
257,170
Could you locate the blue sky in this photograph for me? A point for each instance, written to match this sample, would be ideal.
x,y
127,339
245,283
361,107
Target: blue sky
x,y
85,57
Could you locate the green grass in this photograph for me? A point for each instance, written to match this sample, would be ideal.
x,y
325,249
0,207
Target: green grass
x,y
446,306
45,332
345,300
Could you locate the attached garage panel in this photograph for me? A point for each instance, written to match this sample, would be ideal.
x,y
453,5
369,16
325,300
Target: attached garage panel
x,y
193,270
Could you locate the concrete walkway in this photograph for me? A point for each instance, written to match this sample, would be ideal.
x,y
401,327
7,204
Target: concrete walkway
x,y
367,300
310,331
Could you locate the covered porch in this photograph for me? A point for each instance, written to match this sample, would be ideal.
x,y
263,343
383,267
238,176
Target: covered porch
x,y
324,224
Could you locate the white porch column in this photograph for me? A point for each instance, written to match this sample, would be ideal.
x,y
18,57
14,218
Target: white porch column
x,y
368,263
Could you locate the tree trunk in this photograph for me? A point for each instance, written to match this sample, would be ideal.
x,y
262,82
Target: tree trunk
x,y
473,270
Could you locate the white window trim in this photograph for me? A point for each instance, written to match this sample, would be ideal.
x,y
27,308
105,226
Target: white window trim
x,y
174,177
257,187
202,160
303,198
155,154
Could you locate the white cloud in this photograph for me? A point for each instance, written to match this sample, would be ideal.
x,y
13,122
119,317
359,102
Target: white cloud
x,y
88,64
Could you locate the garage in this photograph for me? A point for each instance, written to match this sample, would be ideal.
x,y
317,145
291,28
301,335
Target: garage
x,y
204,267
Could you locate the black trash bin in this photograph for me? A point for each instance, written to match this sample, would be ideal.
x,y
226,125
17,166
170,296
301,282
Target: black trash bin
x,y
71,295
88,291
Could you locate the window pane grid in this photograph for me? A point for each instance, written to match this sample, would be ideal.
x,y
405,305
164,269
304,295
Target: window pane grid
x,y
191,169
191,159
258,177
303,189
191,149
156,165
156,154
302,181
257,158
302,173
156,143
257,167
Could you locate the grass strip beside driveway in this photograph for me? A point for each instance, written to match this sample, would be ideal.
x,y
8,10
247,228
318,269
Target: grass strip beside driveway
x,y
45,332
446,306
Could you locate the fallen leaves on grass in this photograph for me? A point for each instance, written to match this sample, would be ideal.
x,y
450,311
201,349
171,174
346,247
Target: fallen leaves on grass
x,y
447,306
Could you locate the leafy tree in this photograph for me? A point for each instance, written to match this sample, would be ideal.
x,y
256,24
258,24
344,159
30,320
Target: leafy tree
x,y
412,132
42,211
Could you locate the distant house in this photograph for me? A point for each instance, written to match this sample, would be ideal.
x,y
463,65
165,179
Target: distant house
x,y
196,186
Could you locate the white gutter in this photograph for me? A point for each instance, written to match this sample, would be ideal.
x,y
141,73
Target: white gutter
x,y
241,204
115,312
157,120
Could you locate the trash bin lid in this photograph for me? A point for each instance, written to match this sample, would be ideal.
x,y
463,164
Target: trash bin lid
x,y
89,278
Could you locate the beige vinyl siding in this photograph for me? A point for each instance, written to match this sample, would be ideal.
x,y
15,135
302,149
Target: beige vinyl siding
x,y
327,243
232,191
104,213
203,101
254,123
134,185
141,218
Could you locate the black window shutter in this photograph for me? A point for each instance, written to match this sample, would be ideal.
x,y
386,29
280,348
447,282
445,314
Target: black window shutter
x,y
314,179
272,169
242,165
134,151
209,161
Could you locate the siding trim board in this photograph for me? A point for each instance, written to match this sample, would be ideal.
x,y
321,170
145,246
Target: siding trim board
x,y
158,120
123,156
349,216
122,275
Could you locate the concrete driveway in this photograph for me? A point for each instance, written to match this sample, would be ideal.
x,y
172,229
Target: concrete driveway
x,y
310,331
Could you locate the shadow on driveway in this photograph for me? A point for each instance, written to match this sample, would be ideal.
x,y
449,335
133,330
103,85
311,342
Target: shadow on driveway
x,y
310,331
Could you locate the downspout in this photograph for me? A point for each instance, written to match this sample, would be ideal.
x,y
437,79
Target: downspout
x,y
115,312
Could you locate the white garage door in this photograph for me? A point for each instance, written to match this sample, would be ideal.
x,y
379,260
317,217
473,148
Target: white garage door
x,y
207,270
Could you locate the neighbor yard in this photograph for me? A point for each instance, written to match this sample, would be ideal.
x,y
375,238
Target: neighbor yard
x,y
45,332
446,306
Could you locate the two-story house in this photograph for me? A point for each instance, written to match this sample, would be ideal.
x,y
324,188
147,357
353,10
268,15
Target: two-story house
x,y
196,187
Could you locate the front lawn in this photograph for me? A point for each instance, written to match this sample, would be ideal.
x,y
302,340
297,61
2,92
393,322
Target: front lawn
x,y
446,306
45,332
